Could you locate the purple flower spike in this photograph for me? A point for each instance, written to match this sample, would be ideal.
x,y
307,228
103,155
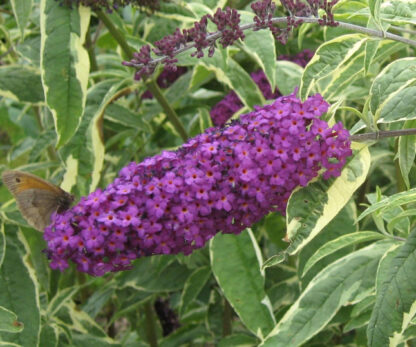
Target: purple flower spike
x,y
223,180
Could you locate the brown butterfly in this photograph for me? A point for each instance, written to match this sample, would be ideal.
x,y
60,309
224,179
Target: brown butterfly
x,y
36,198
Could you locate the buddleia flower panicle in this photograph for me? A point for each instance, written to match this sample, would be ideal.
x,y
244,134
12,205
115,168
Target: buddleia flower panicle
x,y
223,180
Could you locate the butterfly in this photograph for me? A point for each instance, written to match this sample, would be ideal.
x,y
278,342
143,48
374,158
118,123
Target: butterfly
x,y
36,198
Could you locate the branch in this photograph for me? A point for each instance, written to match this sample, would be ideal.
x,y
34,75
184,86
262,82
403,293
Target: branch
x,y
382,134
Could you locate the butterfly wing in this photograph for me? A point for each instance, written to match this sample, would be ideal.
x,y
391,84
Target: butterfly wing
x,y
18,181
36,198
37,206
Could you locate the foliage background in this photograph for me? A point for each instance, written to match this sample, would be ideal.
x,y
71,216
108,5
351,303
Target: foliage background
x,y
72,113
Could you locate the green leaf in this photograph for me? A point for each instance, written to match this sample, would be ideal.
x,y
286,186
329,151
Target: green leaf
x,y
95,134
374,6
339,243
200,122
236,264
8,344
401,219
198,9
401,224
21,83
30,51
391,94
182,14
9,322
288,76
351,11
19,291
219,3
36,244
183,336
399,12
78,154
274,260
410,333
396,12
21,11
237,340
174,94
21,148
385,265
64,64
229,72
242,83
45,139
98,299
311,208
63,297
334,65
129,301
84,330
360,314
88,340
260,46
390,202
155,274
283,287
193,286
348,279
303,29
342,224
122,115
395,299
49,335
215,311
371,48
200,75
407,152
274,227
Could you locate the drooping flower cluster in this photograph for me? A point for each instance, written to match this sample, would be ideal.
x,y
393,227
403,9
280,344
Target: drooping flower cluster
x,y
228,31
227,23
225,180
231,103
